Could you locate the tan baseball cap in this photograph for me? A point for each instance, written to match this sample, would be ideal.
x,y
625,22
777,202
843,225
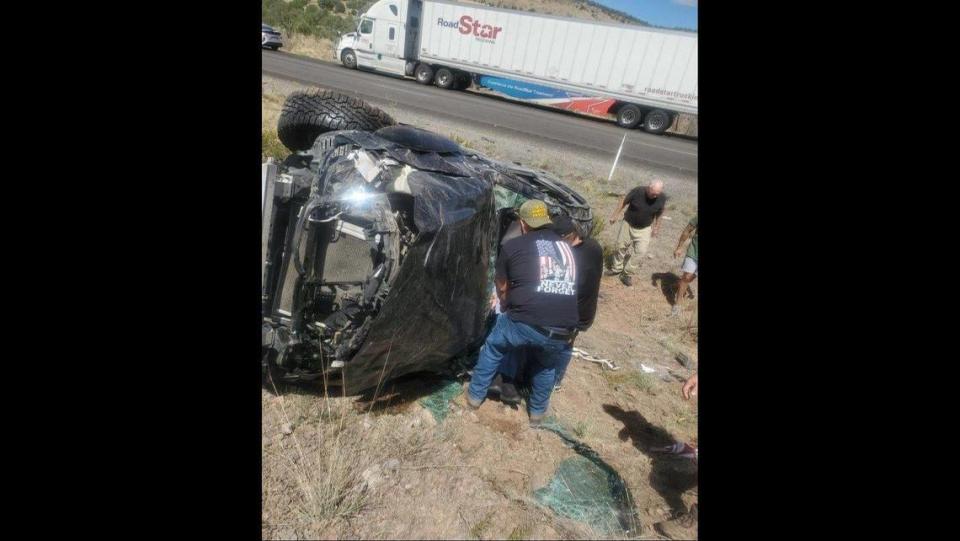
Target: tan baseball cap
x,y
535,213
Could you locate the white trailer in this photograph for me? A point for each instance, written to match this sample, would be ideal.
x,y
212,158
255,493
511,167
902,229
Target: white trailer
x,y
641,76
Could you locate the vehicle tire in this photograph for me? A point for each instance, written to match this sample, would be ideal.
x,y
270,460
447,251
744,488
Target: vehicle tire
x,y
629,116
445,78
349,58
309,114
657,121
462,81
424,74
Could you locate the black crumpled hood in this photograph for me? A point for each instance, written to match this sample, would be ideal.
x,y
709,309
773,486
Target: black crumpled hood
x,y
437,304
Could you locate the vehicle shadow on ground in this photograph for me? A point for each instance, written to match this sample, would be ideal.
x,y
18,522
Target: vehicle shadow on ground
x,y
670,476
393,397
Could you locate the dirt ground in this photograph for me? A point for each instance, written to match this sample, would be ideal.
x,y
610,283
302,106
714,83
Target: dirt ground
x,y
349,467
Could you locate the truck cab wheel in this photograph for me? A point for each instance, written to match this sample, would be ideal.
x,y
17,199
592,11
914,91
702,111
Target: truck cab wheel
x,y
424,74
349,59
445,78
657,121
629,116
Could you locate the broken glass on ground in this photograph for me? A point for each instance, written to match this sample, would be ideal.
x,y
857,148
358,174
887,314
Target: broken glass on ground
x,y
438,402
588,490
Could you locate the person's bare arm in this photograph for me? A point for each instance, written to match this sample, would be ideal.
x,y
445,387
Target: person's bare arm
x,y
687,233
502,286
618,213
656,224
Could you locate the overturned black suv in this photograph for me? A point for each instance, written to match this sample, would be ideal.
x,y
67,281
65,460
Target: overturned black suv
x,y
379,241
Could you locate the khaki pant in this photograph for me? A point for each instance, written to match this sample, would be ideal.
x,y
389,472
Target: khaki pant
x,y
627,238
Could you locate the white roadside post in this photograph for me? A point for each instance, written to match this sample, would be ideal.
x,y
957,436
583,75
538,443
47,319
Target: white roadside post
x,y
615,160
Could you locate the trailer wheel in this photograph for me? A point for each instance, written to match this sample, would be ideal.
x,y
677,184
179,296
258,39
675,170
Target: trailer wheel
x,y
424,74
445,78
629,116
306,115
657,121
462,81
349,58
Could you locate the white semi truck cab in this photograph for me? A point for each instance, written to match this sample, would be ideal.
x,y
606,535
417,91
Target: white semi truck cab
x,y
639,76
385,39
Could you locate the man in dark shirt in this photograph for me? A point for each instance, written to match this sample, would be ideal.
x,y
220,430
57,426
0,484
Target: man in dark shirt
x,y
536,278
644,210
589,257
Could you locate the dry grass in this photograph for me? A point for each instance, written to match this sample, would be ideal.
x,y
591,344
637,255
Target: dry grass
x,y
270,144
322,49
331,460
327,471
631,378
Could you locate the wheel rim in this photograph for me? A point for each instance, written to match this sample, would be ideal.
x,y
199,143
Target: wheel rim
x,y
629,116
655,121
444,80
350,59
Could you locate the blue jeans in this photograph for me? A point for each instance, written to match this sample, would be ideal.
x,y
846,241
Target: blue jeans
x,y
510,365
562,367
547,353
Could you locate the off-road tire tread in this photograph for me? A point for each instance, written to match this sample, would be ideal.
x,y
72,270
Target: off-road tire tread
x,y
309,114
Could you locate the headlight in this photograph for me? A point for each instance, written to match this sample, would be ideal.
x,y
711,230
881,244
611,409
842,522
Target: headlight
x,y
357,196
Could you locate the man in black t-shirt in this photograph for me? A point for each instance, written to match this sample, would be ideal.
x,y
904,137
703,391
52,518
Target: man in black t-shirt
x,y
588,256
536,279
644,210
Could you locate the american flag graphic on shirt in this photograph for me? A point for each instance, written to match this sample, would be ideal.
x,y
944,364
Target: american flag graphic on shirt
x,y
558,271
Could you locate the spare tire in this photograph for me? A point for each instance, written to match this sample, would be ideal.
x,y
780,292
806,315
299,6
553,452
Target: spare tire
x,y
306,115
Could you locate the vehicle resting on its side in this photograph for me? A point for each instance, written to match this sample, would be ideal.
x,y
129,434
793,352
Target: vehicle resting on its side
x,y
379,242
270,38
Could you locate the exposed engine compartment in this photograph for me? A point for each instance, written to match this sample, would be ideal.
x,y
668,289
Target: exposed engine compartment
x,y
380,250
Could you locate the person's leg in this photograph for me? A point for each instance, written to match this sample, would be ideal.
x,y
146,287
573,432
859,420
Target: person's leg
x,y
561,369
685,280
512,374
552,355
639,243
509,364
689,269
541,387
500,341
621,255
